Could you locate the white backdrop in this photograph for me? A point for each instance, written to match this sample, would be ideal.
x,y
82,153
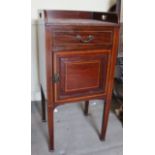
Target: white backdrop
x,y
85,5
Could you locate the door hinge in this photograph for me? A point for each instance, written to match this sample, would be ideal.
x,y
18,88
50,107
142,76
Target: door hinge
x,y
56,78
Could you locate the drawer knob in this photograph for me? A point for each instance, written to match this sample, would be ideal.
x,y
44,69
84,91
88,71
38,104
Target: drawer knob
x,y
87,40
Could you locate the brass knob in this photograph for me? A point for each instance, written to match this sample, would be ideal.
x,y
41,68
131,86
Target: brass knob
x,y
87,40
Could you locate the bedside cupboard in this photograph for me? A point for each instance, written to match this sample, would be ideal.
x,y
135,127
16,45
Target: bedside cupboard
x,y
77,56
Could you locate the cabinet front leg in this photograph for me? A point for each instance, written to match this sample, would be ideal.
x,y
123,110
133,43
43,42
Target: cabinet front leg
x,y
86,107
105,117
51,127
43,103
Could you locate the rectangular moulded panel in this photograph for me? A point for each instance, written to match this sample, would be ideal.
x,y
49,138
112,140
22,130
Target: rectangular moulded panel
x,y
81,74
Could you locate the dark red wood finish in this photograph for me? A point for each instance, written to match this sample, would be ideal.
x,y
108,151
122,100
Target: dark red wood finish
x,y
100,40
85,66
81,74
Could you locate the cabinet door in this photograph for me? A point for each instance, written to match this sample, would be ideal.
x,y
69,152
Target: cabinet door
x,y
80,75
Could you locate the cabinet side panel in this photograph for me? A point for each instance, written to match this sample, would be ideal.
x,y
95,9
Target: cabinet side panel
x,y
42,51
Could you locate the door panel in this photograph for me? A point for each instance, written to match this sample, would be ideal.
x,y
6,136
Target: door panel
x,y
80,73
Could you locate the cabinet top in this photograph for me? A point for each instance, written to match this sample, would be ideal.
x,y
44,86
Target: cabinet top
x,y
60,17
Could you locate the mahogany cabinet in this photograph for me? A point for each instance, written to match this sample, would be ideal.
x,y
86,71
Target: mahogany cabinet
x,y
77,55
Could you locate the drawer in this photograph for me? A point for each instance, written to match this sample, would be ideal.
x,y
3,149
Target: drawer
x,y
76,40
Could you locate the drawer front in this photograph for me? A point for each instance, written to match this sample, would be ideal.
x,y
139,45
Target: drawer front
x,y
76,40
80,74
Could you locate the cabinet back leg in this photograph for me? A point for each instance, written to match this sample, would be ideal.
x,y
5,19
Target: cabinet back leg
x,y
86,108
43,104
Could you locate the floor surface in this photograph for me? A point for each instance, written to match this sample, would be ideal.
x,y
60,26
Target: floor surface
x,y
75,133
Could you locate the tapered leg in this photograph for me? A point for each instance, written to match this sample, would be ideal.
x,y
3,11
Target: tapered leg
x,y
86,107
51,127
105,117
43,105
